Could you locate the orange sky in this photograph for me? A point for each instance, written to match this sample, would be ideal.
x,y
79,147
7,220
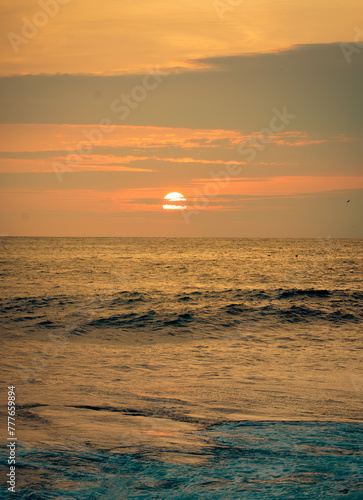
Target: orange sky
x,y
117,36
219,94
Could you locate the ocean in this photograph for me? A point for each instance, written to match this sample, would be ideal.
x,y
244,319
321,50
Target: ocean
x,y
183,368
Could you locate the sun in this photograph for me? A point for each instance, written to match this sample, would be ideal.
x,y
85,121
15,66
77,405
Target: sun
x,y
175,201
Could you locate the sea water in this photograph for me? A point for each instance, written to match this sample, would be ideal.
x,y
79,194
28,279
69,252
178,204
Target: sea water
x,y
184,368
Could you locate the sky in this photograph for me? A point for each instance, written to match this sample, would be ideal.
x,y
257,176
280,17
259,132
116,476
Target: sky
x,y
252,109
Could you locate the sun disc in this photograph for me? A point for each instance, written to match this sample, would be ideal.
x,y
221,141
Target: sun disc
x,y
175,201
174,197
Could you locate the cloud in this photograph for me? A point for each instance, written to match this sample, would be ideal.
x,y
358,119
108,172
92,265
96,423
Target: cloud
x,y
314,82
179,154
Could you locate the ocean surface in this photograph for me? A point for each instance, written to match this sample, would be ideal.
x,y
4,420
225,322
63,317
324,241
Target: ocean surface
x,y
184,368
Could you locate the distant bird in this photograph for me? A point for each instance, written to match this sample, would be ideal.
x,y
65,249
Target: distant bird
x,y
348,201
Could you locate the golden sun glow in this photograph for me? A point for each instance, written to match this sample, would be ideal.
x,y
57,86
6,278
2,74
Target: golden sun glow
x,y
174,201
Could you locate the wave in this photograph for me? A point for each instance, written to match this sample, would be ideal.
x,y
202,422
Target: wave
x,y
309,293
31,304
231,315
194,310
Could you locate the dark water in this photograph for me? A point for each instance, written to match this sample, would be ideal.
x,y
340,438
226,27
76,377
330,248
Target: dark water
x,y
185,368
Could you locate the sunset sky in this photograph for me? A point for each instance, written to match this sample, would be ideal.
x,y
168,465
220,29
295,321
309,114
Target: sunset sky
x,y
252,110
